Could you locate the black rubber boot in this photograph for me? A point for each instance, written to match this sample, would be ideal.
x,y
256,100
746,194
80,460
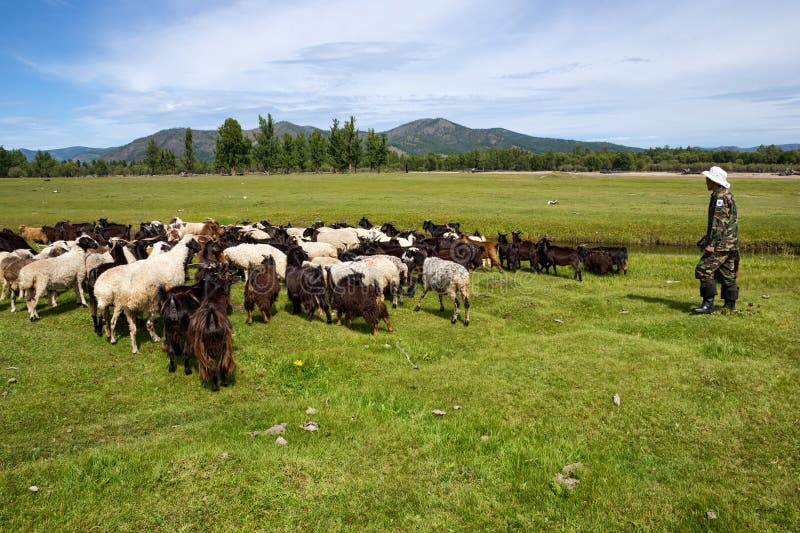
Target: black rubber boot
x,y
708,289
730,294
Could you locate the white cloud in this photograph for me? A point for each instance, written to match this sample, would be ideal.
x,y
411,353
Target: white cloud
x,y
643,71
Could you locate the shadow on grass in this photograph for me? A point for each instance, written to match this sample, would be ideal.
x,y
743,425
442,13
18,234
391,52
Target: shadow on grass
x,y
682,305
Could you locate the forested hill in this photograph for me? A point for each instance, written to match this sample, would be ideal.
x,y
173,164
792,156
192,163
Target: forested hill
x,y
420,137
440,136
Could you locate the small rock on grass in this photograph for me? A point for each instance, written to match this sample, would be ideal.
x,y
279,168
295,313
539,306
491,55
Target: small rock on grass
x,y
33,488
12,380
711,515
280,441
274,430
457,407
311,411
309,426
439,412
765,296
567,482
616,399
484,438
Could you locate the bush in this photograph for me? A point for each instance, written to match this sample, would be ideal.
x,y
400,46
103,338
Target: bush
x,y
15,172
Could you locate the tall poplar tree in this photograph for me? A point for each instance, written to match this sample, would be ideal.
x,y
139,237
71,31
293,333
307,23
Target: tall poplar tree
x,y
233,148
188,152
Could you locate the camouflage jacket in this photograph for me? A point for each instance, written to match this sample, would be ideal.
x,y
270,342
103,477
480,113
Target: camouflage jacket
x,y
723,227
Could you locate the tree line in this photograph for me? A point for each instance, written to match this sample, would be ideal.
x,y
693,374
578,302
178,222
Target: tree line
x,y
344,150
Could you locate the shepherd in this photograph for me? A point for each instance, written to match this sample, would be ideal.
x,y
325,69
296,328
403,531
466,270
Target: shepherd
x,y
720,245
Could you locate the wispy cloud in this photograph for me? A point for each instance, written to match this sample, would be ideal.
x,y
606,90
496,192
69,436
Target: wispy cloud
x,y
765,94
561,69
536,67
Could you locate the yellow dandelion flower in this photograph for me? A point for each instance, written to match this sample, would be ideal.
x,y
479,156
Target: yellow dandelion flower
x,y
298,363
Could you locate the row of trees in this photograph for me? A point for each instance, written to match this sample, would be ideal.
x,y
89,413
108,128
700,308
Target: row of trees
x,y
341,151
344,150
764,159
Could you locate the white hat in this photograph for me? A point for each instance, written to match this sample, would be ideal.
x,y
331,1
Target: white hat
x,y
717,175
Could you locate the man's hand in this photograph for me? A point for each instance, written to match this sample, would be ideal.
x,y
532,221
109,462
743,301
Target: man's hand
x,y
709,249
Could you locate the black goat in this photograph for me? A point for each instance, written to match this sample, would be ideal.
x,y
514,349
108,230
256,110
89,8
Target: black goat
x,y
558,256
262,288
305,285
10,241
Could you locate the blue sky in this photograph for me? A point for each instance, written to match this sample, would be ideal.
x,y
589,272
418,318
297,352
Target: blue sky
x,y
700,73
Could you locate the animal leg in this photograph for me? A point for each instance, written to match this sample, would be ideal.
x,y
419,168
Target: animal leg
x,y
264,316
388,324
455,311
151,328
4,290
171,354
132,327
325,307
223,375
250,317
295,305
33,301
12,296
422,297
185,354
338,317
107,323
79,293
313,306
441,304
52,295
214,385
466,310
393,288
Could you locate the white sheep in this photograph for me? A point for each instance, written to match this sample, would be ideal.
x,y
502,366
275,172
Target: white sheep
x,y
318,249
377,271
343,238
446,277
249,256
133,288
399,264
62,272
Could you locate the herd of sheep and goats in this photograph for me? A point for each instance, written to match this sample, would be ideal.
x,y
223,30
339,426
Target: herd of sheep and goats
x,y
349,269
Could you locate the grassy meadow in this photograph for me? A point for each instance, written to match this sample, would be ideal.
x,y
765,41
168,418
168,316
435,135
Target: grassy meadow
x,y
709,405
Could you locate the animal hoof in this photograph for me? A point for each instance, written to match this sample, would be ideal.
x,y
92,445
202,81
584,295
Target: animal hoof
x,y
171,368
113,341
466,323
394,306
416,308
453,320
187,371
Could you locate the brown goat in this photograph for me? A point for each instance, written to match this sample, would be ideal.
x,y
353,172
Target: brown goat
x,y
354,298
210,335
489,251
34,234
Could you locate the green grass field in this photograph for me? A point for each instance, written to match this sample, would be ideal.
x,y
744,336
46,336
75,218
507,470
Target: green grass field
x,y
708,418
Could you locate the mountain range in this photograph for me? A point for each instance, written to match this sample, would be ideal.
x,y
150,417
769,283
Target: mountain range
x,y
419,137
